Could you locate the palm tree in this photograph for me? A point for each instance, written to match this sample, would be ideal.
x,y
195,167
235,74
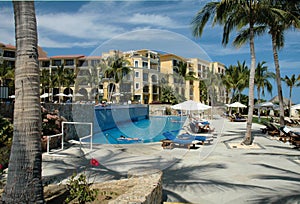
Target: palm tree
x,y
242,78
291,83
236,79
45,79
203,91
24,180
234,14
168,95
58,77
262,76
69,78
212,81
283,15
115,68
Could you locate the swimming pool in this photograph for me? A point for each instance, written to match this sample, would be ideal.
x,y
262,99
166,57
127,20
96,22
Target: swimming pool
x,y
145,131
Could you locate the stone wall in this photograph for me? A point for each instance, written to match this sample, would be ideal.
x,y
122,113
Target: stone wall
x,y
74,113
147,188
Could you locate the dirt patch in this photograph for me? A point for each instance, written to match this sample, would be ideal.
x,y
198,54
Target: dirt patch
x,y
106,192
54,194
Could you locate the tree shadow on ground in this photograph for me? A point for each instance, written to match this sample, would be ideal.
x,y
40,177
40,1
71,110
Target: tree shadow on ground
x,y
185,179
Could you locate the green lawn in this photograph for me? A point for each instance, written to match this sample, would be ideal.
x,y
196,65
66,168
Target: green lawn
x,y
255,120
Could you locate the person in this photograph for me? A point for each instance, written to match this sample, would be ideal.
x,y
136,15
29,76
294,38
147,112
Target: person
x,y
122,137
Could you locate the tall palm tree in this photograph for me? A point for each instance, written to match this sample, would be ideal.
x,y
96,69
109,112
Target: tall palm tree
x,y
233,14
262,76
115,68
24,180
291,83
284,15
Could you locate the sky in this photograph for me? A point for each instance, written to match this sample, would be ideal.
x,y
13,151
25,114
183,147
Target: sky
x,y
92,27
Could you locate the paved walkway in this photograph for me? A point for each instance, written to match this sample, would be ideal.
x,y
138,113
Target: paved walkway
x,y
217,173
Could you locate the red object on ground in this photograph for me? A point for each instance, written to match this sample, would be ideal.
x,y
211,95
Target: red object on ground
x,y
94,162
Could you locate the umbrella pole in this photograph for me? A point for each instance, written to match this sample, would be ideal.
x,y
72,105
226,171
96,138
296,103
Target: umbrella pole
x,y
258,114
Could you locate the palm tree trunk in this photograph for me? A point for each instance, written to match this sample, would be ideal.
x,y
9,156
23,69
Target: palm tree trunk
x,y
258,101
248,137
290,101
278,81
24,181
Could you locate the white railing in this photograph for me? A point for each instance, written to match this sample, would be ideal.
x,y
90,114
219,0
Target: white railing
x,y
80,138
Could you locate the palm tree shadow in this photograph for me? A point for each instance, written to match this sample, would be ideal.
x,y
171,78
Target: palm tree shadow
x,y
185,179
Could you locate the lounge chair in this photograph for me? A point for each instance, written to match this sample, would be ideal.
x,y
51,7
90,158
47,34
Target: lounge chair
x,y
200,126
182,141
202,137
270,129
235,118
289,135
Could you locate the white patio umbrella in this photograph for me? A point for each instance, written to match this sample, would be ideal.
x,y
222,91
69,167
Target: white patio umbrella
x,y
78,94
69,95
264,105
297,106
61,94
45,95
190,105
237,105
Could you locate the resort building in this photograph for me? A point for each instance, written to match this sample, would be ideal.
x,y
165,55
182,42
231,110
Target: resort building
x,y
83,78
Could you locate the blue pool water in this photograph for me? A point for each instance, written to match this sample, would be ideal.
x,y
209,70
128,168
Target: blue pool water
x,y
145,131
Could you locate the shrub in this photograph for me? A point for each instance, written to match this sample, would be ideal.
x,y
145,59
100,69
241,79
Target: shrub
x,y
80,189
6,135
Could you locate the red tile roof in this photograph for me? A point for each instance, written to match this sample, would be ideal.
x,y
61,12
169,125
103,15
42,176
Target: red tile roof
x,y
67,56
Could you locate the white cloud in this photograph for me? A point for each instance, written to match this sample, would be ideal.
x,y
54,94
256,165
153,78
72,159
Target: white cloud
x,y
151,19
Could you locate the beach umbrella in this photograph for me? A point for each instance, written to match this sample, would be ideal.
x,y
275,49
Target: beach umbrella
x,y
45,95
264,105
237,105
78,94
297,106
61,94
189,105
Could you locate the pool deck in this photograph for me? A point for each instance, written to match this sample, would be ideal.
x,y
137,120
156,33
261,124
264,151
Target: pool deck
x,y
222,172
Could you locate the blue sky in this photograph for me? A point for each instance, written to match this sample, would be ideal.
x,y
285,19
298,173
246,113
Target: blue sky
x,y
89,28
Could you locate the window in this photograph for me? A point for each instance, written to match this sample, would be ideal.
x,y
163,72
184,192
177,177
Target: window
x,y
145,64
136,63
56,62
95,62
45,63
137,85
10,54
69,62
145,76
137,74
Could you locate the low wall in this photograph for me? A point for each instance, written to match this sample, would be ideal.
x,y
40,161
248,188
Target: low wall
x,y
103,118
